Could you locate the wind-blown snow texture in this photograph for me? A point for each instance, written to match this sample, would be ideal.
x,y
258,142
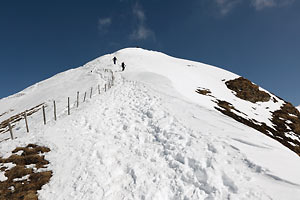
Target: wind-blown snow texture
x,y
151,136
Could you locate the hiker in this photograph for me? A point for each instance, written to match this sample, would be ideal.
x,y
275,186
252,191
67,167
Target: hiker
x,y
123,66
115,60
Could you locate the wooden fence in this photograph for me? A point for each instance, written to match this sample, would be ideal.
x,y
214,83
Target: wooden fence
x,y
9,124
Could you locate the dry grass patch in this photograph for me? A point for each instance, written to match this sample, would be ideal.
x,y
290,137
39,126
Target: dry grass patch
x,y
286,120
245,89
203,91
22,181
280,118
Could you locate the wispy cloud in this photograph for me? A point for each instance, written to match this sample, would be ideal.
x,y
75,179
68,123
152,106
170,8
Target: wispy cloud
x,y
141,31
104,23
261,4
139,12
225,6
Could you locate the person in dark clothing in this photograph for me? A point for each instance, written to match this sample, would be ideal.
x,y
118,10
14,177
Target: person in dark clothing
x,y
123,66
115,60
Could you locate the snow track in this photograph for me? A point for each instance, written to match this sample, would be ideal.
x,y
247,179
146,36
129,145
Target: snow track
x,y
142,141
134,148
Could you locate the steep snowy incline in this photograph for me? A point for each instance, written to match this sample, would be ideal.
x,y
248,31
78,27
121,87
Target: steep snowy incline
x,y
137,143
151,136
213,88
58,87
185,77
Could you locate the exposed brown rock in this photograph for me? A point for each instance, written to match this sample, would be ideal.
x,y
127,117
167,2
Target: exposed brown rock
x,y
246,90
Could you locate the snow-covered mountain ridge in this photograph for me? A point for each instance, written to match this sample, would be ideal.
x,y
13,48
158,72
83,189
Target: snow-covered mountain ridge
x,y
159,133
273,116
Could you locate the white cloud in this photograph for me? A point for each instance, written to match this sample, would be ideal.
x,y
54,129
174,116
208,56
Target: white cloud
x,y
225,6
139,13
141,31
261,4
104,23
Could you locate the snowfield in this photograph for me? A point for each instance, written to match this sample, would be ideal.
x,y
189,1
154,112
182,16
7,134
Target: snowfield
x,y
151,136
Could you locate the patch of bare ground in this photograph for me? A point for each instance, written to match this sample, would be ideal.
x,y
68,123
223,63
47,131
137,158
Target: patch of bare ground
x,y
203,91
14,119
285,120
22,181
246,90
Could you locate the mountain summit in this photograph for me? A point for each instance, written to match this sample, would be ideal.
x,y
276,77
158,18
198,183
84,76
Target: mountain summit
x,y
164,128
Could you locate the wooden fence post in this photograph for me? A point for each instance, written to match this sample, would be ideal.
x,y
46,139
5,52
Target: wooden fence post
x,y
98,89
26,123
54,110
10,130
84,97
91,92
44,115
68,105
77,99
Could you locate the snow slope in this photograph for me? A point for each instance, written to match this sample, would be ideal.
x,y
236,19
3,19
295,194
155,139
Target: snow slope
x,y
298,108
58,87
152,137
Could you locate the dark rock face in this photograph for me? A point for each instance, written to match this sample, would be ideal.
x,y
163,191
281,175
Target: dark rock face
x,y
245,89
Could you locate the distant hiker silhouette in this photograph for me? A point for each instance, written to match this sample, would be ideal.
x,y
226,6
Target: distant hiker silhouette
x,y
115,60
123,66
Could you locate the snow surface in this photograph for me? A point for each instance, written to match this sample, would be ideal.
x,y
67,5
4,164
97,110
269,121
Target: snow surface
x,y
151,136
8,166
298,108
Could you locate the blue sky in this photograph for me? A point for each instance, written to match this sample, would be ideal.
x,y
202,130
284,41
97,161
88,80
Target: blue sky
x,y
257,39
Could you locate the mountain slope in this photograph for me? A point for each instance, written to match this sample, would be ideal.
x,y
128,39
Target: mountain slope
x,y
272,116
153,137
